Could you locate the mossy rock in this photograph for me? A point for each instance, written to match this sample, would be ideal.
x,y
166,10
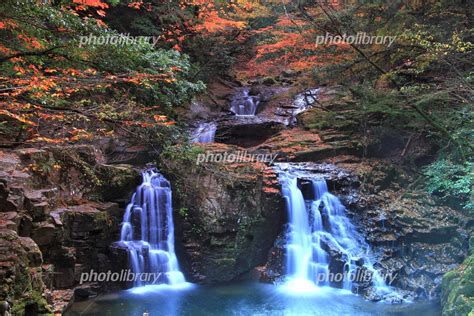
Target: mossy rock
x,y
32,304
458,290
117,181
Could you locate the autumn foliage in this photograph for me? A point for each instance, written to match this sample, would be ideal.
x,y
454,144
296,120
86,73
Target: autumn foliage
x,y
52,90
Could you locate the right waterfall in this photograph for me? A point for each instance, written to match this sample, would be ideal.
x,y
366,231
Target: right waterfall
x,y
323,247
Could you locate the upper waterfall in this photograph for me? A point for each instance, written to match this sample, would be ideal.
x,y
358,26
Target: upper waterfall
x,y
204,133
244,104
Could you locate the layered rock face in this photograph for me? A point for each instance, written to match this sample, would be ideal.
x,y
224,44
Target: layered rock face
x,y
53,223
418,240
227,218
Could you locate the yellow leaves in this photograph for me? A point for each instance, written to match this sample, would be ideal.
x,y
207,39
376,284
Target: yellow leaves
x,y
50,71
90,71
79,134
46,116
21,118
46,140
134,80
19,70
44,84
160,118
163,119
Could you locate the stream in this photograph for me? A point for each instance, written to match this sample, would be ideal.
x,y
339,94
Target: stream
x,y
243,299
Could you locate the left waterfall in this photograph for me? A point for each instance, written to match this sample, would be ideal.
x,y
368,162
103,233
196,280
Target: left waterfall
x,y
148,231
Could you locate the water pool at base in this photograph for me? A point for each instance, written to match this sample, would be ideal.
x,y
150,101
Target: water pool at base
x,y
242,299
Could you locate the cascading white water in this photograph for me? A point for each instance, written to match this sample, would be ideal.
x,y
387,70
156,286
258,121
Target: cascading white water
x,y
204,133
315,225
305,100
148,231
243,104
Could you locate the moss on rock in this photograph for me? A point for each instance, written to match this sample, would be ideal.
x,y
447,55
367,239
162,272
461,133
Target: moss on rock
x,y
458,290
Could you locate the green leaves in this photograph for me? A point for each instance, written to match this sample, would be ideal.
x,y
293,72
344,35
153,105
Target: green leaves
x,y
449,180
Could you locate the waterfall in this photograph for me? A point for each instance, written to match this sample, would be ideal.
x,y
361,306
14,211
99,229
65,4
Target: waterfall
x,y
204,133
305,100
318,230
243,104
148,231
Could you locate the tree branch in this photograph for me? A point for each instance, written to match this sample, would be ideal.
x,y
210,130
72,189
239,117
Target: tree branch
x,y
32,53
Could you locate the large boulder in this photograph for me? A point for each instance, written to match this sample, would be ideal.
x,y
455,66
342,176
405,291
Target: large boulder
x,y
458,290
227,217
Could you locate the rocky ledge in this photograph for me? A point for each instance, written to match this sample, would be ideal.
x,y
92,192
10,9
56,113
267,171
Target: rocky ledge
x,y
55,222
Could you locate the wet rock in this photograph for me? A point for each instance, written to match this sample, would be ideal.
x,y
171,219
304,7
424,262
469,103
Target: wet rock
x,y
289,73
35,258
83,293
246,131
32,154
458,290
43,233
19,258
225,226
118,181
26,226
40,242
269,81
11,220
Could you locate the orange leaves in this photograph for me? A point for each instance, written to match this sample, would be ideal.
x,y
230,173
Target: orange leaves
x,y
19,70
48,116
30,42
45,140
78,134
92,3
82,7
8,24
290,43
20,118
214,23
160,118
5,50
135,5
44,84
